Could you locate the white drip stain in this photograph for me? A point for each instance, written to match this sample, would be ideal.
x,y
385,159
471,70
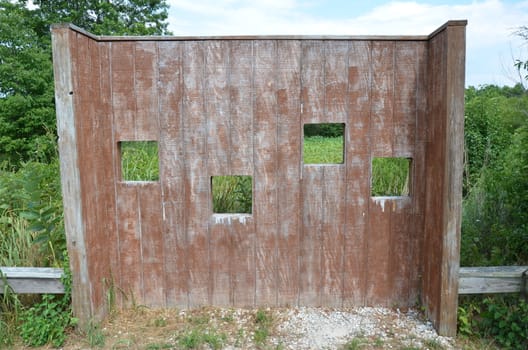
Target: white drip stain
x,y
228,218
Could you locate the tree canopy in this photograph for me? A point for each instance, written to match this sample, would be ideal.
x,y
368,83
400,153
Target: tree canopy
x,y
27,111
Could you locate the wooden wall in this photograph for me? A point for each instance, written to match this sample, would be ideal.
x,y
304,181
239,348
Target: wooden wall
x,y
237,106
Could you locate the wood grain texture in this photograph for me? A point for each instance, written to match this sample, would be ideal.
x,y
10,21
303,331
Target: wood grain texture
x,y
289,145
173,173
357,160
265,148
238,106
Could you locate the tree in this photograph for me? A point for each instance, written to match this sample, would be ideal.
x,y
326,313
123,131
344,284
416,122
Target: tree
x,y
106,17
27,111
26,89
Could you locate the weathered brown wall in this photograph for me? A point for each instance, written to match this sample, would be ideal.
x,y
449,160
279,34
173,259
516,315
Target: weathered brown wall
x,y
220,106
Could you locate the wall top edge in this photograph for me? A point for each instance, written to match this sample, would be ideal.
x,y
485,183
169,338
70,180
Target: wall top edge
x,y
261,37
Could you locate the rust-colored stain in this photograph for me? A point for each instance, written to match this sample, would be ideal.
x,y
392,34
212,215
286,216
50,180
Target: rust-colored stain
x,y
237,106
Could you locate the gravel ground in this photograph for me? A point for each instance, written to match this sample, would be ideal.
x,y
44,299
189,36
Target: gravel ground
x,y
315,328
286,328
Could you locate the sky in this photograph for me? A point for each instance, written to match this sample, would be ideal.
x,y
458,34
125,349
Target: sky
x,y
491,43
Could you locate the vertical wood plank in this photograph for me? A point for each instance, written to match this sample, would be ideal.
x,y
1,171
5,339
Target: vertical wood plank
x,y
86,93
216,103
312,77
242,278
382,127
152,257
129,230
64,67
145,79
288,171
432,252
332,239
123,91
418,183
172,173
405,83
241,106
310,260
381,145
265,205
197,203
335,81
456,47
106,156
404,123
357,160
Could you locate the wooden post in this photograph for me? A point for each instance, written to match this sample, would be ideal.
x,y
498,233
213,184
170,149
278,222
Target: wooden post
x,y
445,137
69,168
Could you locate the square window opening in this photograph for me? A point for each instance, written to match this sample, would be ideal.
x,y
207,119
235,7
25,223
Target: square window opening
x,y
232,194
139,160
390,177
324,143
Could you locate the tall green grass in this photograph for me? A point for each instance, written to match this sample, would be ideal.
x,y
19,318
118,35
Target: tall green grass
x,y
232,194
139,161
323,150
390,176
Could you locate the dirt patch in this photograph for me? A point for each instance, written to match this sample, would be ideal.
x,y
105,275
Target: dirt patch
x,y
293,328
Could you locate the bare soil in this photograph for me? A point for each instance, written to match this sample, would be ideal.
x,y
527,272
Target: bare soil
x,y
292,328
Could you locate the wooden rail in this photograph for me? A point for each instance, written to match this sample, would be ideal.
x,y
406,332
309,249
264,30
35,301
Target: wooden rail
x,y
472,280
32,280
494,279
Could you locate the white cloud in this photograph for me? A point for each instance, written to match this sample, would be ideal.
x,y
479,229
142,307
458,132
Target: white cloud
x,y
489,31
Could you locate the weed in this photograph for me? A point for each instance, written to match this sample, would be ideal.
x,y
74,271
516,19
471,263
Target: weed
x,y
94,335
46,322
355,344
378,342
199,319
263,321
433,344
195,338
160,322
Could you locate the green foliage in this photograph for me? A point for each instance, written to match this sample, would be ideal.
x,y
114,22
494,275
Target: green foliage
x,y
94,335
323,150
390,176
31,215
115,17
263,322
139,161
506,321
502,318
495,214
27,110
232,194
195,338
27,115
324,130
46,322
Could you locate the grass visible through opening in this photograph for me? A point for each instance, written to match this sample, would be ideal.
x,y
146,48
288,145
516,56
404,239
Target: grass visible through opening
x,y
390,176
232,194
323,143
139,160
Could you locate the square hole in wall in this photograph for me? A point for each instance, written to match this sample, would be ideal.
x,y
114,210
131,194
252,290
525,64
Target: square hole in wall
x,y
139,160
323,143
232,194
390,177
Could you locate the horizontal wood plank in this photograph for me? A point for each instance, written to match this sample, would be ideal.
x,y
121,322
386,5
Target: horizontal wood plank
x,y
490,279
32,280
